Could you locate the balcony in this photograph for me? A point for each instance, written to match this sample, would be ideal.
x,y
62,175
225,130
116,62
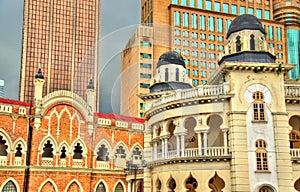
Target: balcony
x,y
195,153
292,91
47,161
102,165
200,91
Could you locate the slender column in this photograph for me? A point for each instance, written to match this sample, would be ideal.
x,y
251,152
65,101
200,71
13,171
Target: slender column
x,y
166,148
182,145
155,150
129,185
163,148
199,143
178,145
225,141
205,142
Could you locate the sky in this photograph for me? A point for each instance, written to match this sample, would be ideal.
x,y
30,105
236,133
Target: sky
x,y
119,19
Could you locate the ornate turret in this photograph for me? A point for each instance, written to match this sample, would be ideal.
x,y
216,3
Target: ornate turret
x,y
170,73
246,42
38,96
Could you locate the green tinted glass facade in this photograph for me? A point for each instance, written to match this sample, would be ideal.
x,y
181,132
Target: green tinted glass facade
x,y
293,42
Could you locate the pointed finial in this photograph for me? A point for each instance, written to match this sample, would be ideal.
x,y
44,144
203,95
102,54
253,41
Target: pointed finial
x,y
91,84
39,74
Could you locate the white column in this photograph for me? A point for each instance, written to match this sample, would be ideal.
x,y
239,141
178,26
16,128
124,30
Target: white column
x,y
166,148
162,148
199,143
155,150
182,145
205,142
225,140
129,186
178,145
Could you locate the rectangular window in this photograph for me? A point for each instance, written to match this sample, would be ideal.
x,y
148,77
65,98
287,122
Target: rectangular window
x,y
233,9
200,4
258,13
194,44
195,81
203,64
195,63
195,72
183,2
145,56
267,14
242,10
187,71
145,44
192,3
186,52
270,32
185,20
144,85
202,22
145,65
185,33
227,24
194,21
194,53
225,8
175,2
202,45
220,25
177,18
250,11
177,41
142,105
194,35
208,5
212,65
217,6
177,32
279,47
211,73
203,73
211,46
211,37
145,75
211,23
278,33
185,43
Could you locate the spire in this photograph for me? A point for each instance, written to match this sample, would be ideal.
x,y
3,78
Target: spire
x,y
39,74
91,84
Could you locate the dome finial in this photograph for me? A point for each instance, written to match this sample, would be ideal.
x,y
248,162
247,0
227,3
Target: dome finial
x,y
39,74
91,84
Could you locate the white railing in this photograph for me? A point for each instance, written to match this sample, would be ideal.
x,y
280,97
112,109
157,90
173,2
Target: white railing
x,y
102,165
63,162
3,160
295,152
18,161
47,161
194,152
292,91
77,163
202,90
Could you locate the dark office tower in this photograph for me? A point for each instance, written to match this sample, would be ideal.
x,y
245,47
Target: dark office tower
x,y
61,37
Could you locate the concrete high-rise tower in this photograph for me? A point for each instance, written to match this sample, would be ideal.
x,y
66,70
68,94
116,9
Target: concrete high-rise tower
x,y
61,37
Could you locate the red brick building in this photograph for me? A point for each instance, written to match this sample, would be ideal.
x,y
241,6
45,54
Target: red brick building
x,y
73,148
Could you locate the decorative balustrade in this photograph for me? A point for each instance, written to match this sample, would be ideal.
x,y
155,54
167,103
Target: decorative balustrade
x,y
292,91
63,162
295,152
3,160
77,163
202,90
194,152
47,161
102,165
18,161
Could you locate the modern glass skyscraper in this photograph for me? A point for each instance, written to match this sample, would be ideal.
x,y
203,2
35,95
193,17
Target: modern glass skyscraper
x,y
197,29
288,12
1,88
61,37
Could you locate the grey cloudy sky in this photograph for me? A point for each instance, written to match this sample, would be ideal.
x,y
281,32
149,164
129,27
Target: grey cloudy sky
x,y
119,18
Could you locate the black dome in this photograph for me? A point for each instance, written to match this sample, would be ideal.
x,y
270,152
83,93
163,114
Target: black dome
x,y
39,74
171,57
245,21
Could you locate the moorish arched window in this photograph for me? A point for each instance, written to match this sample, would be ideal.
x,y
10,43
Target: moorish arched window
x,y
177,74
238,44
258,106
101,187
261,155
119,188
102,154
9,187
166,74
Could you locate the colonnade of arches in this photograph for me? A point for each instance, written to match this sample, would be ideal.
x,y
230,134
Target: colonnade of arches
x,y
11,185
50,153
180,136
